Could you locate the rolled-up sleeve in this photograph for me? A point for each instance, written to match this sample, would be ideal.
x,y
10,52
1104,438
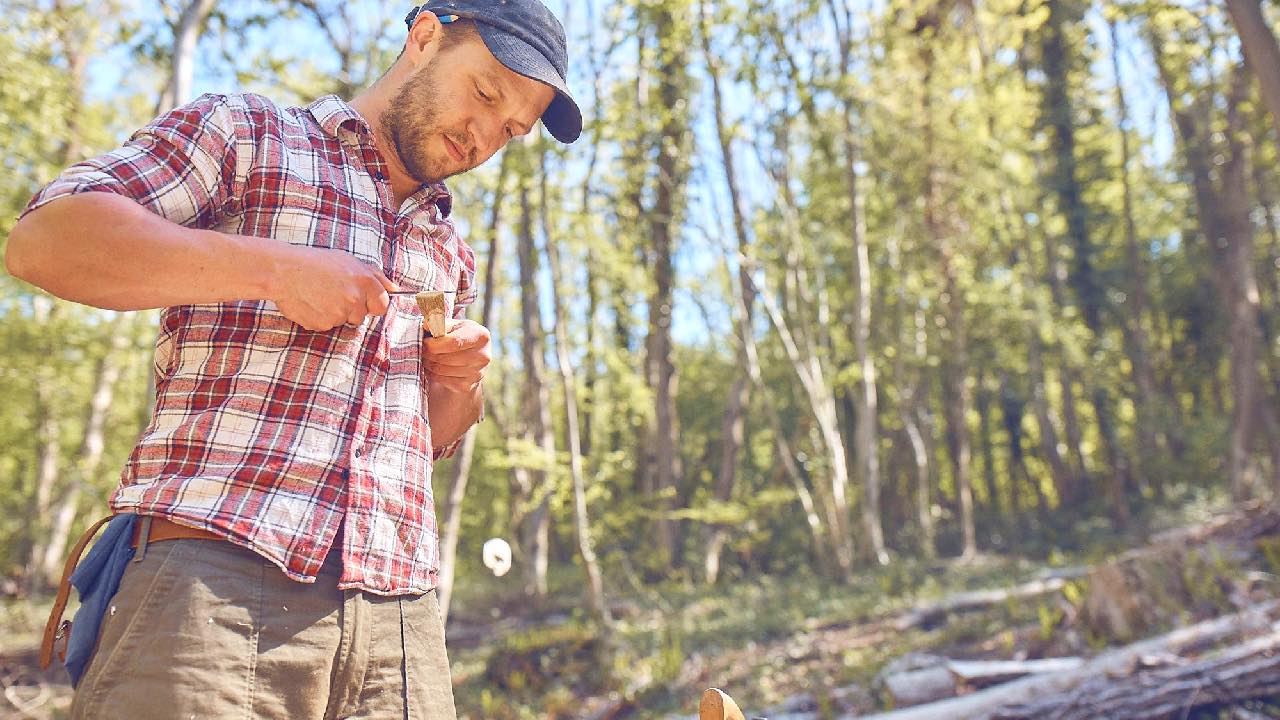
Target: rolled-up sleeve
x,y
182,165
467,292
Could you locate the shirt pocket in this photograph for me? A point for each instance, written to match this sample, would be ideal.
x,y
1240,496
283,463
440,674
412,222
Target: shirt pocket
x,y
427,258
281,205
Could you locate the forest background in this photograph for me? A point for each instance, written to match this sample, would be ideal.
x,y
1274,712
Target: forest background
x,y
833,306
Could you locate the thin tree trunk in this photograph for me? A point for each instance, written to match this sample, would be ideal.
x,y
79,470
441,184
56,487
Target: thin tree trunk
x,y
181,65
955,363
907,409
1135,326
866,439
89,457
664,223
466,453
1261,51
568,383
537,420
46,447
988,448
744,314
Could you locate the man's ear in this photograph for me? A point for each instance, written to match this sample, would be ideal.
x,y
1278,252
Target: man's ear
x,y
423,41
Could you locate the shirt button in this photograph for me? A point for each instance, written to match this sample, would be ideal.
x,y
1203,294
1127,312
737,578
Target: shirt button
x,y
379,176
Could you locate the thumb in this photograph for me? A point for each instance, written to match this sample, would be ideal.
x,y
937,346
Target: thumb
x,y
386,283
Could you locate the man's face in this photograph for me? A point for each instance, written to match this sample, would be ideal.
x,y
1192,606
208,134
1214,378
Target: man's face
x,y
455,112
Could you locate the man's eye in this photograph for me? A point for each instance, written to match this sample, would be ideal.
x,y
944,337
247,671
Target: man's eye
x,y
483,96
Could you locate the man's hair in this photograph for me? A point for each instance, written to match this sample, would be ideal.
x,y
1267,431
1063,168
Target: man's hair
x,y
457,32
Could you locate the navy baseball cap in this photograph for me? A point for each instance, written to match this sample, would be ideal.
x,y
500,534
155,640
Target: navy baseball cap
x,y
527,38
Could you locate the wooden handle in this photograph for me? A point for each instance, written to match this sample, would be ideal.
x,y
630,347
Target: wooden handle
x,y
435,312
717,705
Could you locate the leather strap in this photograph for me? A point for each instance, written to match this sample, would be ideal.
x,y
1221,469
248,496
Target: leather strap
x,y
160,529
54,630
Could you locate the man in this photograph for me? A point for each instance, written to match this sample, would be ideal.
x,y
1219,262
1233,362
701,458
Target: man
x,y
299,407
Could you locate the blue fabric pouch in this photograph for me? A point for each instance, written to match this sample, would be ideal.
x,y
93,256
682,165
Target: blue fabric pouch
x,y
97,577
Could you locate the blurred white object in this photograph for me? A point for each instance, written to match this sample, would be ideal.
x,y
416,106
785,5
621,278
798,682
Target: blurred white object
x,y
497,556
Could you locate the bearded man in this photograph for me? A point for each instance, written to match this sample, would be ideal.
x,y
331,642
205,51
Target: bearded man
x,y
274,542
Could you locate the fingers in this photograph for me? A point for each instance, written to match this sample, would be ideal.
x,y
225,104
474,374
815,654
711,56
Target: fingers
x,y
387,284
457,384
355,317
463,335
377,303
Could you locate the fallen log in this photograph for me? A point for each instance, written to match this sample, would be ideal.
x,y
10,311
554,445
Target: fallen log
x,y
919,679
983,704
981,599
982,673
1244,672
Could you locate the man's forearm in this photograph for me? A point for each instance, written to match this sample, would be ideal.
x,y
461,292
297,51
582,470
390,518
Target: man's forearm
x,y
452,413
105,250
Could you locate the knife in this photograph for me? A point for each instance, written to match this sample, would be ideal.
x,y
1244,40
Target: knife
x,y
415,292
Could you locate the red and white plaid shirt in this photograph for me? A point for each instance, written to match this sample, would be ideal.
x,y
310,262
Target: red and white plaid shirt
x,y
265,432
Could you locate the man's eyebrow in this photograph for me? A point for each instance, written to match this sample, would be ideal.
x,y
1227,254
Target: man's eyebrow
x,y
498,83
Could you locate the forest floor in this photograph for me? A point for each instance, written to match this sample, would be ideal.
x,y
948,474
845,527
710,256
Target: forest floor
x,y
800,646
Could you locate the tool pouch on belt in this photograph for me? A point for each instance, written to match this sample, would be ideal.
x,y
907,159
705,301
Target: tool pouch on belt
x,y
96,578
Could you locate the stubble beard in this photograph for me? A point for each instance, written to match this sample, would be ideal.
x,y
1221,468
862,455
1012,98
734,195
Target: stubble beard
x,y
413,121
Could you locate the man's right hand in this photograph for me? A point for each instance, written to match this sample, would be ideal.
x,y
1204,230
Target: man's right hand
x,y
321,288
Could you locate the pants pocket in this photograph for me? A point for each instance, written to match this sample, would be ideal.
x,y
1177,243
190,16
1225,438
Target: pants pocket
x,y
187,646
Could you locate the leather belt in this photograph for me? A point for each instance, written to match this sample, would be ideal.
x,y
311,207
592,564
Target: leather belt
x,y
162,529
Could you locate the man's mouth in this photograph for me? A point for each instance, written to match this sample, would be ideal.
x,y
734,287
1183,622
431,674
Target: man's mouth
x,y
454,150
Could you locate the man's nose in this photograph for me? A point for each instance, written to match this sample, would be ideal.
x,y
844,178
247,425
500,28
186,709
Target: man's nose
x,y
491,136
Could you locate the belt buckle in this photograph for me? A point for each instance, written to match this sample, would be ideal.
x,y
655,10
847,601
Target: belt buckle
x,y
61,639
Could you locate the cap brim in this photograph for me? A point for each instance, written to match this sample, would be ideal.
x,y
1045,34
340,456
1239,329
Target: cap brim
x,y
562,118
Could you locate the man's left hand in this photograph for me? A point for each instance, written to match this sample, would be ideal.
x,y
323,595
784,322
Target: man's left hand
x,y
458,360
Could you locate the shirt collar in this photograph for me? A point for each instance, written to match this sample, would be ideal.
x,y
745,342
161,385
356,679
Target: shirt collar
x,y
334,114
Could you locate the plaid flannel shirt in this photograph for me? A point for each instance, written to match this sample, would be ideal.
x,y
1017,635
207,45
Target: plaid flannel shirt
x,y
264,432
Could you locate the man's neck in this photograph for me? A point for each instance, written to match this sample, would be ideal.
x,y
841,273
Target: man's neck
x,y
370,104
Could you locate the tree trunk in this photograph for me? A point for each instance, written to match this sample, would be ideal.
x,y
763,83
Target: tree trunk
x,y
46,447
955,363
537,415
1261,51
664,223
1227,228
744,323
89,457
466,453
988,448
568,384
866,439
185,36
1134,327
911,398
1058,110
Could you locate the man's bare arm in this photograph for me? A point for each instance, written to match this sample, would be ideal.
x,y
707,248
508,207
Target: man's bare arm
x,y
451,412
455,366
106,250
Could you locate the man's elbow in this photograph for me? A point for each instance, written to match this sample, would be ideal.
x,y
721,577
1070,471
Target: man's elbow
x,y
18,260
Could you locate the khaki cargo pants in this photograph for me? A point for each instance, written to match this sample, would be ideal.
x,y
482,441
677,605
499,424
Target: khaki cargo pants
x,y
208,629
